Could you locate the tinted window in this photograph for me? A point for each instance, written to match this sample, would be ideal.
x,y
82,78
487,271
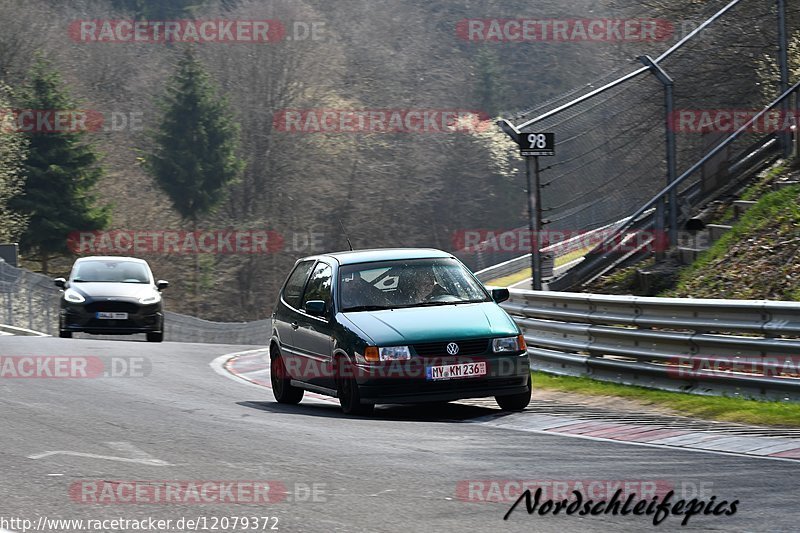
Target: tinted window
x,y
408,283
319,286
111,272
293,289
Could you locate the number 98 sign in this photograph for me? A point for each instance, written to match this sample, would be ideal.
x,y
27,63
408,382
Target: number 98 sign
x,y
537,144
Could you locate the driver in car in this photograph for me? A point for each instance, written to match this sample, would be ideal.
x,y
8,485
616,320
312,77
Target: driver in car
x,y
422,286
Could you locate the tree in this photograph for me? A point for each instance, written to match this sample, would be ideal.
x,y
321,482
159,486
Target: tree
x,y
62,170
194,160
12,179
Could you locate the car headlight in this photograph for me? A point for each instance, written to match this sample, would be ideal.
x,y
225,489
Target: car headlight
x,y
74,296
152,299
387,353
509,344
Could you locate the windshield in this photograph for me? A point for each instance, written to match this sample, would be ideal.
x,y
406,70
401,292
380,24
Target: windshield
x,y
407,283
111,272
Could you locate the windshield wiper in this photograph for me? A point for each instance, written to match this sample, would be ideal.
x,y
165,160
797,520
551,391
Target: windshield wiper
x,y
435,304
425,304
357,308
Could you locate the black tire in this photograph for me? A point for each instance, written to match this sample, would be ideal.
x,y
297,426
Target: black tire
x,y
515,402
282,388
155,336
64,334
347,390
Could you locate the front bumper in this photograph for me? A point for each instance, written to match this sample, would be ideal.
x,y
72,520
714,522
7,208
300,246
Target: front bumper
x,y
407,382
141,319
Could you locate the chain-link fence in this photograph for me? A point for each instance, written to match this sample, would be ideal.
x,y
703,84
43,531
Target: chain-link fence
x,y
611,148
31,301
612,135
28,300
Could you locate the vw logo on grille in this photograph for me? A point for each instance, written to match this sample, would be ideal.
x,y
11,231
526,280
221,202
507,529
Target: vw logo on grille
x,y
452,348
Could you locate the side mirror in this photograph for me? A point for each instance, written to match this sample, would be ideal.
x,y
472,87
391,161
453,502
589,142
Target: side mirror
x,y
61,283
315,307
500,295
161,284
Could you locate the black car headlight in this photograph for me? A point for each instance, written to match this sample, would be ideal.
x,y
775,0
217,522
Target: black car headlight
x,y
150,299
73,296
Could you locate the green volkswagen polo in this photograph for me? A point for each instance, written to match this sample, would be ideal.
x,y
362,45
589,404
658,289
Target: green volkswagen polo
x,y
394,326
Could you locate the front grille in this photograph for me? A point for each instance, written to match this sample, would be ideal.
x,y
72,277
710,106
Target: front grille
x,y
439,349
113,307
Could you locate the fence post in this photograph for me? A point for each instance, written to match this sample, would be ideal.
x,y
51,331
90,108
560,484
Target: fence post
x,y
30,308
783,64
797,125
10,307
672,169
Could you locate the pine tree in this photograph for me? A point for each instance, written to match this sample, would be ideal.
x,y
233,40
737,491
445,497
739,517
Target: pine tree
x,y
13,150
195,159
62,170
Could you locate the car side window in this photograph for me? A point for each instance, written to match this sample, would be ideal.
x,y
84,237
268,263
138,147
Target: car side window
x,y
319,286
293,290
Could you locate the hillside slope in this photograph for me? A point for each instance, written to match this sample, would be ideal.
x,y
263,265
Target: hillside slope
x,y
758,259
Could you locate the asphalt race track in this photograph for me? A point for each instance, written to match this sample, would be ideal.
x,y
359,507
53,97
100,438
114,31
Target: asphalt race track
x,y
178,420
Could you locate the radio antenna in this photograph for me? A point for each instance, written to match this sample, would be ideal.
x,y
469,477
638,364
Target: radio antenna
x,y
344,231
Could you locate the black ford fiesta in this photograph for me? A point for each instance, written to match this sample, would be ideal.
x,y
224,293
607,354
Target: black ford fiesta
x,y
111,295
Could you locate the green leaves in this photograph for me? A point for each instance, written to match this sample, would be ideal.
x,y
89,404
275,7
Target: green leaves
x,y
13,150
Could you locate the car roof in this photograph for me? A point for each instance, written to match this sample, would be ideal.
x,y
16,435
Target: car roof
x,y
110,258
382,254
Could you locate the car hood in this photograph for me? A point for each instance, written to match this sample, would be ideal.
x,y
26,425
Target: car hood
x,y
431,324
118,290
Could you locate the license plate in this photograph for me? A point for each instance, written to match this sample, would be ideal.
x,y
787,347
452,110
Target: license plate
x,y
112,316
458,371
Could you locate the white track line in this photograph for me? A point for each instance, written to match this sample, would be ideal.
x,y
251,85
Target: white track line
x,y
218,365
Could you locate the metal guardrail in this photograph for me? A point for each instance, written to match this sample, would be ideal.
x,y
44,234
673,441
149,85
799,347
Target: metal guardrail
x,y
744,348
30,300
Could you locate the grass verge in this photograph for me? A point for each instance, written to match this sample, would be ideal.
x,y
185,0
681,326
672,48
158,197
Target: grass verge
x,y
708,407
524,274
754,260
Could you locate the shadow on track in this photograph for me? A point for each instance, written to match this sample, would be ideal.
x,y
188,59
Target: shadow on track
x,y
438,412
